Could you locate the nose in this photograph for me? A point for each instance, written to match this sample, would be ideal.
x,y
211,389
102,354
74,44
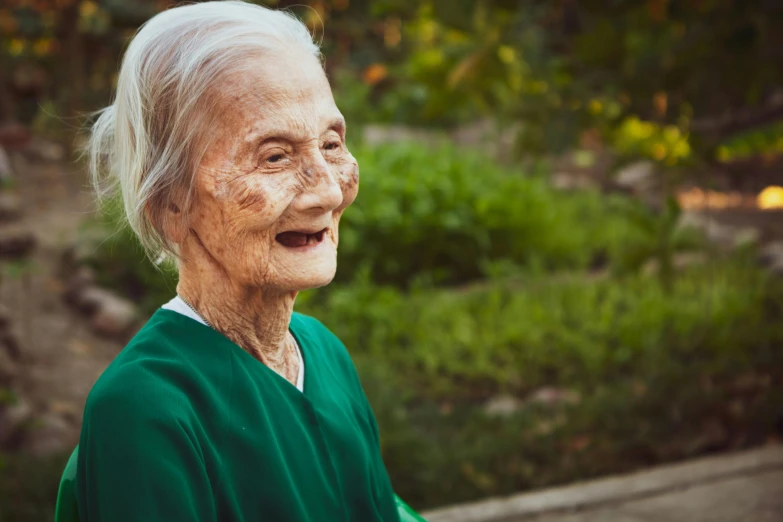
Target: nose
x,y
321,191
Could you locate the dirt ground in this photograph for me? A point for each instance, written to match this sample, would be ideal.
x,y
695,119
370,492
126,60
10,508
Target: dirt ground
x,y
61,357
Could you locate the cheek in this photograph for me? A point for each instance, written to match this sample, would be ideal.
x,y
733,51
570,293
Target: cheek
x,y
258,202
251,194
349,182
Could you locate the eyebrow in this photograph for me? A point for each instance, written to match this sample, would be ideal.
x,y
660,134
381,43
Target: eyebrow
x,y
259,138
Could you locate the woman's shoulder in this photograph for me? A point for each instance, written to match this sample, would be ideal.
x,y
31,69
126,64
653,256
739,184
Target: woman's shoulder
x,y
157,369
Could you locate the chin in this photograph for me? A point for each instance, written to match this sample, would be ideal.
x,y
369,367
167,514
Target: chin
x,y
306,269
316,282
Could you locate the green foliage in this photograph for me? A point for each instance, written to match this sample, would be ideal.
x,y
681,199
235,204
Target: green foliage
x,y
453,216
667,144
521,334
767,141
652,369
28,486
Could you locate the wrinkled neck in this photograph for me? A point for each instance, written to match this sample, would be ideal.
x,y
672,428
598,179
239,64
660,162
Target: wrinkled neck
x,y
255,318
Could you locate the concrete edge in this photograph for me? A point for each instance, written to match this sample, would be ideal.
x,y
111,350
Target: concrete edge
x,y
614,489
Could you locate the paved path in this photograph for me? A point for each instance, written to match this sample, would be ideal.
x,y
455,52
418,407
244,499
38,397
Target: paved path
x,y
740,487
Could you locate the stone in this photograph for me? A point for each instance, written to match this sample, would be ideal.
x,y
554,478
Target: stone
x,y
13,422
380,134
502,406
9,369
9,343
771,257
640,176
5,317
82,278
89,297
551,396
571,181
111,315
49,434
16,242
6,169
744,237
680,261
14,135
45,149
10,206
771,253
727,237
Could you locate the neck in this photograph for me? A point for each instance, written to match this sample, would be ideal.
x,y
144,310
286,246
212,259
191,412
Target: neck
x,y
254,318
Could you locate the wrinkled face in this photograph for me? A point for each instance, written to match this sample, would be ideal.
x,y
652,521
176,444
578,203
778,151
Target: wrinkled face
x,y
273,185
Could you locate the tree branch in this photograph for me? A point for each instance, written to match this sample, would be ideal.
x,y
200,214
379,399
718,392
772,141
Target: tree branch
x,y
740,120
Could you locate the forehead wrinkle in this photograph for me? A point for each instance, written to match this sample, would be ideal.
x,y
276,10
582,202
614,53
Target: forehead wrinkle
x,y
259,106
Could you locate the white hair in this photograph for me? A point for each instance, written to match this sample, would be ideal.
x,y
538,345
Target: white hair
x,y
150,141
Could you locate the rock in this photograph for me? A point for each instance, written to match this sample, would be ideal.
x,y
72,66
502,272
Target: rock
x,y
89,297
16,242
502,406
770,253
551,396
380,134
45,149
111,314
640,176
14,420
5,317
10,206
68,410
49,434
745,236
14,135
9,369
82,278
6,169
724,236
571,181
680,261
771,257
9,343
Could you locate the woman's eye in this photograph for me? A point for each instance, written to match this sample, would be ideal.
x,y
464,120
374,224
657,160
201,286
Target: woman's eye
x,y
275,158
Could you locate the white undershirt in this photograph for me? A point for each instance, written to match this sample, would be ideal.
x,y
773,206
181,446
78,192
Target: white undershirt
x,y
179,306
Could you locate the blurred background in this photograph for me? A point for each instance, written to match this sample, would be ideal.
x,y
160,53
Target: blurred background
x,y
565,260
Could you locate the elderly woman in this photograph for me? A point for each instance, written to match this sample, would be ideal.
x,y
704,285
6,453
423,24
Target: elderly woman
x,y
230,155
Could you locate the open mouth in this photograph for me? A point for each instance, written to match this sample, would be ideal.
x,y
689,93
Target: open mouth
x,y
297,239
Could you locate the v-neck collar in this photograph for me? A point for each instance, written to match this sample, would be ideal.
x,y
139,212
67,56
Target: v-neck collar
x,y
306,369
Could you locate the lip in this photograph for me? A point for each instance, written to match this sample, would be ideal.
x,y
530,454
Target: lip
x,y
302,238
308,231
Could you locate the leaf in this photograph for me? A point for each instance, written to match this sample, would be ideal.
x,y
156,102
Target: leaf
x,y
465,68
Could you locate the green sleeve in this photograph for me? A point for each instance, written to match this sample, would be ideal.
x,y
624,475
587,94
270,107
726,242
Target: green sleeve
x,y
139,461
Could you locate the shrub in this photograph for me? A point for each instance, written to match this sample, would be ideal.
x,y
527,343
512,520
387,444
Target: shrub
x,y
452,216
660,376
521,334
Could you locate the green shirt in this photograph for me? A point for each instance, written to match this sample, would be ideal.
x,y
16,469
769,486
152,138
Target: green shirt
x,y
185,425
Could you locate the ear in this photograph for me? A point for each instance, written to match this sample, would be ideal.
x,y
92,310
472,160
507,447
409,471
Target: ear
x,y
169,221
174,225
